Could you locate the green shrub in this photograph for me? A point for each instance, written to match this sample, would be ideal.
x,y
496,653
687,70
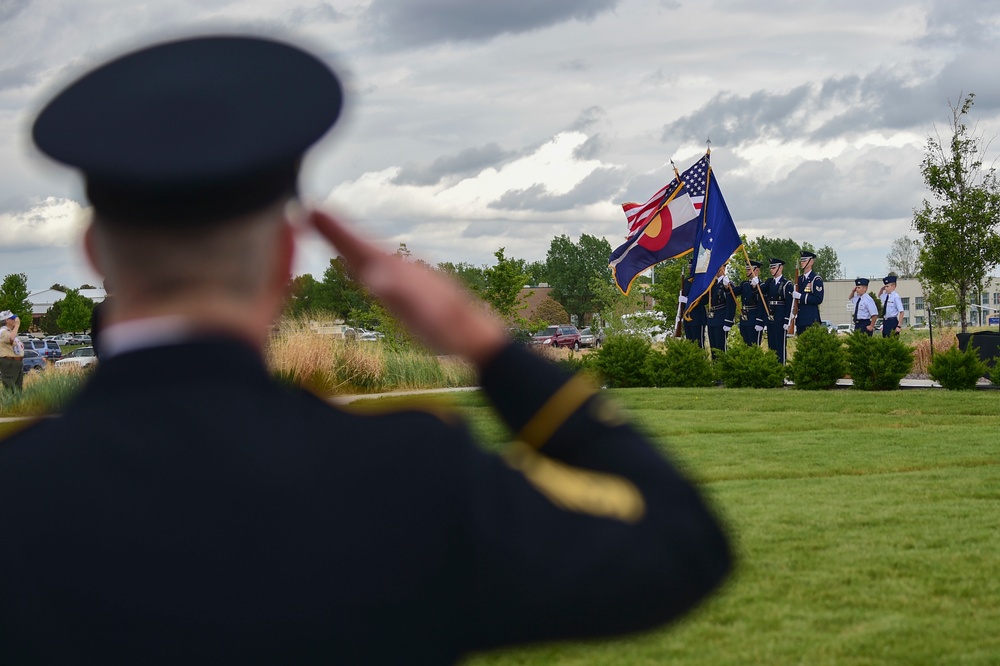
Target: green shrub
x,y
819,359
745,366
622,359
957,370
877,363
681,363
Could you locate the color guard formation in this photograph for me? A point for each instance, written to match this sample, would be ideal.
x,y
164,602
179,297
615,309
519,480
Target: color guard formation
x,y
781,306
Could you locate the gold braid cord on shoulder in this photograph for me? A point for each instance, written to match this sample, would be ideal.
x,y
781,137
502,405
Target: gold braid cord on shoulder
x,y
569,398
578,490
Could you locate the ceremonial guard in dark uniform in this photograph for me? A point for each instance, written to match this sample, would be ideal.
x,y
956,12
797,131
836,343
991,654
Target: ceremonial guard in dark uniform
x,y
696,320
809,293
721,312
892,307
865,310
778,294
224,517
752,317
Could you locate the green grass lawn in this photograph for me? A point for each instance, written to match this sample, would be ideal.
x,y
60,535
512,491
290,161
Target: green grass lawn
x,y
867,527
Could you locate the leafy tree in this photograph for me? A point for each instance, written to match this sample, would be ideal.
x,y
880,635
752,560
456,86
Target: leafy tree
x,y
76,311
503,286
827,263
571,267
903,259
473,277
59,287
14,296
87,286
302,294
536,273
50,320
339,293
960,243
547,313
764,249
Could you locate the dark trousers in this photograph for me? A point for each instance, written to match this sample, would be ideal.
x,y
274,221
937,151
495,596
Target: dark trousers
x,y
750,336
863,327
12,372
889,325
717,340
776,341
695,333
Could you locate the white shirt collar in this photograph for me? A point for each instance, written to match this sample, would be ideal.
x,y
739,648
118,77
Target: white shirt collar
x,y
144,334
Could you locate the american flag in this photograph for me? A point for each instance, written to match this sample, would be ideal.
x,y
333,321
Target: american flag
x,y
694,178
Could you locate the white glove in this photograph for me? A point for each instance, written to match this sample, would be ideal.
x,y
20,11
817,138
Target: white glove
x,y
758,328
727,328
725,280
755,281
784,326
682,299
796,295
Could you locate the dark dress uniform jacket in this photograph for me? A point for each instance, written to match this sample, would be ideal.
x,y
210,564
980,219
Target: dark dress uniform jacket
x,y
232,519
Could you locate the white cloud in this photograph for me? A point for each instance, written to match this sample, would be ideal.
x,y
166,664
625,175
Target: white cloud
x,y
51,222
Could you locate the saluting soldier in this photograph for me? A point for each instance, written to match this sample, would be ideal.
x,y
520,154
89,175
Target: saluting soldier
x,y
865,310
721,311
752,318
808,292
892,306
694,328
778,296
232,518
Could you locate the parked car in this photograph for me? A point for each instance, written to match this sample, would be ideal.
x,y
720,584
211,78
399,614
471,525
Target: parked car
x,y
78,339
81,357
843,329
371,336
32,361
587,337
45,348
565,335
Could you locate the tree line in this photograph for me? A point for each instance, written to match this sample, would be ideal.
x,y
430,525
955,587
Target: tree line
x,y
69,314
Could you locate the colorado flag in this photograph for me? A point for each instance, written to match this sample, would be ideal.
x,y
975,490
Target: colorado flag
x,y
669,233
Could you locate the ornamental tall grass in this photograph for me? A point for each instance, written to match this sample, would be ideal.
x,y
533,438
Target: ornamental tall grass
x,y
45,392
334,366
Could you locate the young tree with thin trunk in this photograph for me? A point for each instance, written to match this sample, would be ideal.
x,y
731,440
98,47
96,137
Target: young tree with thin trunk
x,y
959,231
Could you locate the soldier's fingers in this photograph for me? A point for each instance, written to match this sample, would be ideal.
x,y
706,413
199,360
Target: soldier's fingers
x,y
355,251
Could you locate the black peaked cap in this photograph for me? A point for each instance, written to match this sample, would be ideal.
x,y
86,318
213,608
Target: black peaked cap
x,y
191,131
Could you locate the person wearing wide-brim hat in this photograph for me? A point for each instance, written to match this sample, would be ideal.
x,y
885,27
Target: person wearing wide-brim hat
x,y
892,306
865,310
752,317
11,352
808,292
778,297
186,507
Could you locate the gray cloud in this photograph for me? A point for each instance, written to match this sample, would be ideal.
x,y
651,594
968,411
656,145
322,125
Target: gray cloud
x,y
590,149
970,22
468,162
599,185
322,12
11,8
880,100
418,23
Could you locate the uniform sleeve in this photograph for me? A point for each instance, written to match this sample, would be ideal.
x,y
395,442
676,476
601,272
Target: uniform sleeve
x,y
814,297
584,529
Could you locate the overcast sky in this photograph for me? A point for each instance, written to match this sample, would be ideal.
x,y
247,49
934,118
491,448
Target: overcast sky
x,y
478,125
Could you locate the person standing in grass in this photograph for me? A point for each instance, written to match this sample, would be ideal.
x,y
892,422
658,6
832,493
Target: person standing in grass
x,y
226,517
752,316
778,294
892,307
865,310
11,352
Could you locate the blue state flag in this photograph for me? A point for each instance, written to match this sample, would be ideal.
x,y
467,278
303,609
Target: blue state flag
x,y
716,241
669,233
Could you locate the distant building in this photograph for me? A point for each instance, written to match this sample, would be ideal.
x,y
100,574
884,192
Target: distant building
x,y
41,301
